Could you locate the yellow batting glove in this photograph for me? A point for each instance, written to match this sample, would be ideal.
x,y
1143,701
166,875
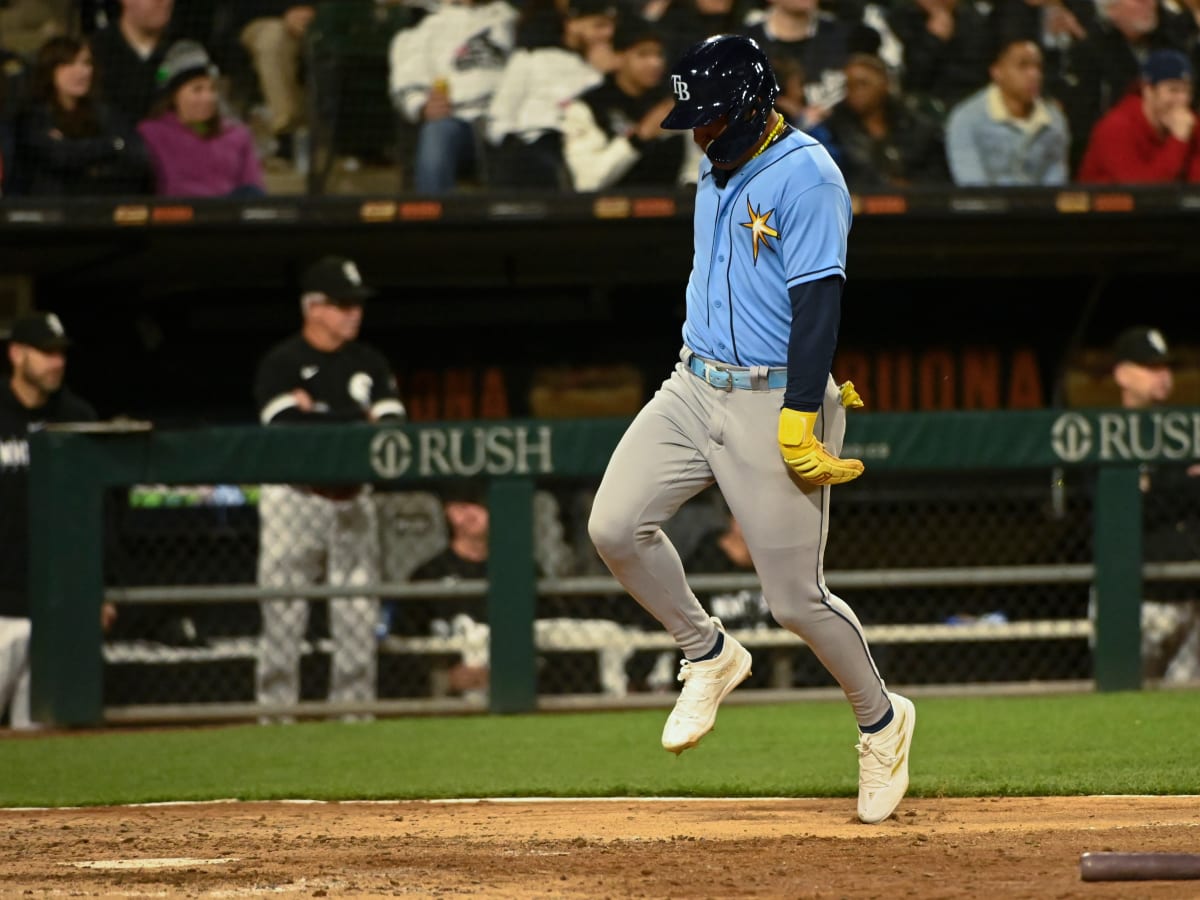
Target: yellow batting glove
x,y
850,398
807,456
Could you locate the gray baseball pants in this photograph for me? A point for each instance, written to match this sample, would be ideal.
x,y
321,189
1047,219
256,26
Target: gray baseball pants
x,y
689,436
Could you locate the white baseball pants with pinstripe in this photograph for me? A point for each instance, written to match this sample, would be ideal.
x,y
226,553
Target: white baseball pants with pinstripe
x,y
307,540
14,670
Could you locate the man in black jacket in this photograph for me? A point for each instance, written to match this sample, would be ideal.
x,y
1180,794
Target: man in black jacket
x,y
32,396
127,54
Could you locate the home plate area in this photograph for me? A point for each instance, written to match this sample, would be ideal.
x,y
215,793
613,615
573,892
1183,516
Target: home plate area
x,y
627,847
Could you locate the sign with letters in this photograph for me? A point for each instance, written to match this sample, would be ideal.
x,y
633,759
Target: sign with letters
x,y
463,451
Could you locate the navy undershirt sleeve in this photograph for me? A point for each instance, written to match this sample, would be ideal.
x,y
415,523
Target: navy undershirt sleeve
x,y
816,314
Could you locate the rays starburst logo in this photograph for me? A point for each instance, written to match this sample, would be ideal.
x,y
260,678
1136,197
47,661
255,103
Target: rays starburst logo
x,y
760,231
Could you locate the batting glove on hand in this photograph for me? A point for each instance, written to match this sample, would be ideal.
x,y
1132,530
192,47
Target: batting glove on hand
x,y
850,398
807,456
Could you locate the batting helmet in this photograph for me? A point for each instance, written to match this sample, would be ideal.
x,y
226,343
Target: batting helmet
x,y
726,75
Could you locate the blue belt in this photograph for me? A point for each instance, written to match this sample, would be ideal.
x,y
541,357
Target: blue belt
x,y
728,379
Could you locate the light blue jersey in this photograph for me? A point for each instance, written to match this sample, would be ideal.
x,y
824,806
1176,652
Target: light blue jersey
x,y
782,220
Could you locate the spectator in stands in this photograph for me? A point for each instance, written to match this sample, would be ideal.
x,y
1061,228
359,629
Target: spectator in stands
x,y
526,114
1150,136
798,30
947,47
683,23
33,395
1180,22
68,143
444,72
127,55
1101,69
792,102
322,534
27,24
613,136
869,30
195,150
1170,625
880,140
1006,134
95,14
12,90
272,31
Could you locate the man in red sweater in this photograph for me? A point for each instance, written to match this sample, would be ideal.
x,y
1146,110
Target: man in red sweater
x,y
1149,137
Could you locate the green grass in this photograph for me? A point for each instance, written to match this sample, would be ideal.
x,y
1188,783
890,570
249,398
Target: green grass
x,y
1081,744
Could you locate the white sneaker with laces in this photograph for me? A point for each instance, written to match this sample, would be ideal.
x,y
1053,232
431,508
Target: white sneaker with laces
x,y
883,763
705,685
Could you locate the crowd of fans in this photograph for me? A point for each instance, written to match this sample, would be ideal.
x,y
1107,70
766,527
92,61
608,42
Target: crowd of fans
x,y
125,96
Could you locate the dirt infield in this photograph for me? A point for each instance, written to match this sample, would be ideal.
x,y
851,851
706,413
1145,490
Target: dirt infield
x,y
993,848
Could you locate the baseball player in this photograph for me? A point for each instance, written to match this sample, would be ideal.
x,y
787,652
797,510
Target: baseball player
x,y
33,395
752,406
311,534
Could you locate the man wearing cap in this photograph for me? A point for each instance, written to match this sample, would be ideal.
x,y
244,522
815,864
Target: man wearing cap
x,y
1150,136
1170,623
32,396
327,533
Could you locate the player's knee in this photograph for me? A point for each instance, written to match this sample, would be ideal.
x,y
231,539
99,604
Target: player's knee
x,y
611,533
805,604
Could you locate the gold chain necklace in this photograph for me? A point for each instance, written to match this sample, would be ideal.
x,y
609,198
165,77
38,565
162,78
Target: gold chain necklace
x,y
775,132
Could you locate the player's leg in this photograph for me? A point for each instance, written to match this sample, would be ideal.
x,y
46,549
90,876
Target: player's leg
x,y
657,466
353,562
661,462
1184,664
785,522
14,670
292,528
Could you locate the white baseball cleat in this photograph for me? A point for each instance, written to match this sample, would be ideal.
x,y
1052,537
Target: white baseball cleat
x,y
883,763
705,685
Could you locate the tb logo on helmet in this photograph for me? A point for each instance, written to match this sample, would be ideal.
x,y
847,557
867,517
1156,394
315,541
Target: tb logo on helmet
x,y
680,87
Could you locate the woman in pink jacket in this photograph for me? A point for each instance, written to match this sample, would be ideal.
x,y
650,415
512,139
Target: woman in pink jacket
x,y
196,152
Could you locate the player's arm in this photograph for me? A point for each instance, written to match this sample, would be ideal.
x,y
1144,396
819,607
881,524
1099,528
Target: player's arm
x,y
280,397
814,249
963,153
386,405
504,110
596,162
409,81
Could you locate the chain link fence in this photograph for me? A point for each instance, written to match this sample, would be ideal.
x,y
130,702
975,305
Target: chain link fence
x,y
352,600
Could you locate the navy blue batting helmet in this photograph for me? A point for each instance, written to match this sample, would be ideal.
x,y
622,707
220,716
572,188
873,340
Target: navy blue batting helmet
x,y
724,75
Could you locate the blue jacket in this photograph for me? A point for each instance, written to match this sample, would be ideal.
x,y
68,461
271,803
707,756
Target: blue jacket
x,y
986,146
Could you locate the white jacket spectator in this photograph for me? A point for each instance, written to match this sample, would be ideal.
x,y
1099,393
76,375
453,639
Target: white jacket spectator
x,y
464,44
535,90
563,53
599,159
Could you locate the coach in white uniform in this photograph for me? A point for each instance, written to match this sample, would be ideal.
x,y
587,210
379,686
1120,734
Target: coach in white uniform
x,y
312,534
